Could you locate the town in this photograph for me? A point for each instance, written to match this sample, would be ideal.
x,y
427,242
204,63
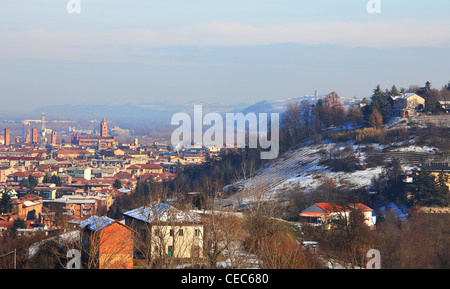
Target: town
x,y
340,187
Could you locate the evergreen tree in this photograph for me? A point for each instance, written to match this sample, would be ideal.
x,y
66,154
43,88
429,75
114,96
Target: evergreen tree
x,y
46,180
442,190
380,103
391,184
19,223
117,184
394,91
424,90
32,181
447,86
5,203
394,169
427,191
56,180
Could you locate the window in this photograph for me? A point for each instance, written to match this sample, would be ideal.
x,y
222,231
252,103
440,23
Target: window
x,y
180,232
197,232
171,232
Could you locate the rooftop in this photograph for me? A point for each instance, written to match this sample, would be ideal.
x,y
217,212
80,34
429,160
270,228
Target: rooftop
x,y
95,223
163,213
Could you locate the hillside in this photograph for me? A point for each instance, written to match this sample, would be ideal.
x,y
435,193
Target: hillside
x,y
306,167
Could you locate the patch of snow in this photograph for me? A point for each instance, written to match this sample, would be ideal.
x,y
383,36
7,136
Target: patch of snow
x,y
399,211
414,148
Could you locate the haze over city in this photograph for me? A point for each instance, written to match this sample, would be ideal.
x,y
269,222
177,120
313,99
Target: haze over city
x,y
118,52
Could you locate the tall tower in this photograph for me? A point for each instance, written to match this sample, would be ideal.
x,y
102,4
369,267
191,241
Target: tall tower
x,y
103,128
34,135
54,137
7,139
28,136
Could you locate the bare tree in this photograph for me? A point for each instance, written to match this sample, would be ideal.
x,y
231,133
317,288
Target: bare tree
x,y
166,236
224,236
271,239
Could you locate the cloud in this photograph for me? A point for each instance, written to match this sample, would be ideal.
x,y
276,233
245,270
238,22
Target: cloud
x,y
111,45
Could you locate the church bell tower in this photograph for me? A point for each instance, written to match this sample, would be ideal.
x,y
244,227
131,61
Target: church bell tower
x,y
103,128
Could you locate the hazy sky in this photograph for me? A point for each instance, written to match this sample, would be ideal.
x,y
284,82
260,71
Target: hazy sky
x,y
132,51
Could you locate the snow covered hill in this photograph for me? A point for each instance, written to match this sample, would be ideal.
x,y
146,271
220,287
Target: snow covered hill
x,y
303,167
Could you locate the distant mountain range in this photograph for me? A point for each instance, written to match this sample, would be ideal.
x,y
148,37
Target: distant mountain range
x,y
156,111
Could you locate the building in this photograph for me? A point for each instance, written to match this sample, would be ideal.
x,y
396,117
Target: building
x,y
109,244
7,139
370,218
436,168
28,136
101,141
445,105
142,169
34,135
47,193
53,141
103,128
405,105
28,207
98,142
80,172
72,154
166,231
324,214
17,176
73,205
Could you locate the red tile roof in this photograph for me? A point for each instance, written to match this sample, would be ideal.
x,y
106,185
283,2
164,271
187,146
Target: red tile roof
x,y
361,207
18,174
331,208
151,166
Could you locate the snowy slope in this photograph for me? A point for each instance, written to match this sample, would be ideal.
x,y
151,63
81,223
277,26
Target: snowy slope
x,y
301,167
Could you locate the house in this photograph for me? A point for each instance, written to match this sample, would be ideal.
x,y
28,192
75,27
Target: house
x,y
370,218
75,205
28,207
47,193
140,169
72,154
17,176
109,244
80,172
151,168
405,105
166,231
323,214
445,105
7,224
436,168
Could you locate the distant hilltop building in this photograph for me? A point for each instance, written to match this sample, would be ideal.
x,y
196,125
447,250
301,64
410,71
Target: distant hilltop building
x,y
405,105
101,142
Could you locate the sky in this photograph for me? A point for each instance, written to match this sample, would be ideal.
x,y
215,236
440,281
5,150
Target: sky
x,y
230,51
